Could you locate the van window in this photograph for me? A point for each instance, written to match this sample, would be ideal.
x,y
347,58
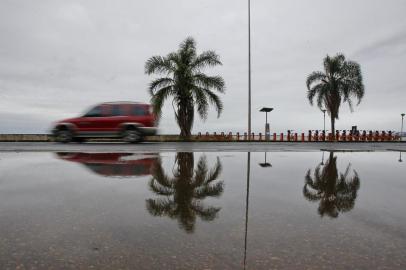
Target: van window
x,y
117,110
94,112
139,111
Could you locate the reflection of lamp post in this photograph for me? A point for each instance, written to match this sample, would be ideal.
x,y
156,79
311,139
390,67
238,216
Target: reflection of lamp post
x,y
267,132
247,207
401,129
265,164
400,157
324,117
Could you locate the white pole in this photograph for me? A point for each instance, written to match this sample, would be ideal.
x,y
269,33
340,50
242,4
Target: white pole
x,y
249,68
401,129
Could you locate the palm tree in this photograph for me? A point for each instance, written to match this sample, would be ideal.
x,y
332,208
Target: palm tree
x,y
186,83
184,193
336,193
340,82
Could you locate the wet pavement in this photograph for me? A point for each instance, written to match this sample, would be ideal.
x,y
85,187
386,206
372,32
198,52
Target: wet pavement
x,y
203,210
200,146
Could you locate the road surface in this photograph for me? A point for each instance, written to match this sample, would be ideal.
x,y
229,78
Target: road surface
x,y
197,147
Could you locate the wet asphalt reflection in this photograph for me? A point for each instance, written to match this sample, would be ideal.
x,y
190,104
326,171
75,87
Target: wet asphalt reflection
x,y
193,210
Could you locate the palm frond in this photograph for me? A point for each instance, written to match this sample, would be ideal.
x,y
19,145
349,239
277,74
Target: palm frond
x,y
327,64
200,172
311,196
209,190
355,181
188,44
340,58
315,77
187,50
322,95
308,178
160,189
158,64
159,98
205,213
214,173
214,100
159,175
160,83
351,81
160,207
209,82
206,59
201,102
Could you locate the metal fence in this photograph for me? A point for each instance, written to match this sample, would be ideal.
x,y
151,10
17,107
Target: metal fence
x,y
300,137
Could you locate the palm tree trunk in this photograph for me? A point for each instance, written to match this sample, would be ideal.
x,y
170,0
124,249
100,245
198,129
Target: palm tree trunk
x,y
333,125
185,117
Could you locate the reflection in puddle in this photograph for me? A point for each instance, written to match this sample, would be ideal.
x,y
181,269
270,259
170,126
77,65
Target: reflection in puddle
x,y
247,206
265,164
335,192
113,164
181,195
197,211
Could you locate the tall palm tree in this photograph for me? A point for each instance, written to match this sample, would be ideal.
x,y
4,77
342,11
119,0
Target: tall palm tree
x,y
336,193
340,82
184,193
186,83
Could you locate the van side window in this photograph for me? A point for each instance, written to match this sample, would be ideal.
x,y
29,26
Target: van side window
x,y
94,112
117,110
139,111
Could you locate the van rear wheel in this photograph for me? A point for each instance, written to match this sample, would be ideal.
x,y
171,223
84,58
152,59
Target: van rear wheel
x,y
132,135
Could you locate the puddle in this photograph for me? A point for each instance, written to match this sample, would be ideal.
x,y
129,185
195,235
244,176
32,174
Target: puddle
x,y
279,210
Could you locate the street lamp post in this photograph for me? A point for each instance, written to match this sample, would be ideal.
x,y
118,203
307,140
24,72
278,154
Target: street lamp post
x,y
401,129
324,121
249,68
267,132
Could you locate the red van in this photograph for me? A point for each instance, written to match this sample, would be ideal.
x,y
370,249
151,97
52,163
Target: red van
x,y
130,121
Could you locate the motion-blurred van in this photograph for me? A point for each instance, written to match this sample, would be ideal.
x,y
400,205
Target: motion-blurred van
x,y
129,121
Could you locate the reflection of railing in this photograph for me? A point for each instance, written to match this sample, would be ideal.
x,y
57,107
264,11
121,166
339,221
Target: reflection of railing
x,y
300,137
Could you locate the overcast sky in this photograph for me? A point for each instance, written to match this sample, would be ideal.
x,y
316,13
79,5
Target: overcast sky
x,y
57,58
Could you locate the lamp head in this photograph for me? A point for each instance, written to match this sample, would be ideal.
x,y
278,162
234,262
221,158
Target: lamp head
x,y
266,109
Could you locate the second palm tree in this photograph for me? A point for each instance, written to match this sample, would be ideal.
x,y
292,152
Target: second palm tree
x,y
340,82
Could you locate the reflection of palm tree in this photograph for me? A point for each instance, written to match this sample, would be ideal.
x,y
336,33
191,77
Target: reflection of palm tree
x,y
336,193
185,191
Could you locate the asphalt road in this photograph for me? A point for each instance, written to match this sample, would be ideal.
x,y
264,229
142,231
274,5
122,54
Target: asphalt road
x,y
197,147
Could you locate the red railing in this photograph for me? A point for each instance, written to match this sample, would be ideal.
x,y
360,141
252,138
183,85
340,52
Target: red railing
x,y
301,137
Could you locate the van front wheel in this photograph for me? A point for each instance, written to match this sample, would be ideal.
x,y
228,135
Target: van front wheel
x,y
64,136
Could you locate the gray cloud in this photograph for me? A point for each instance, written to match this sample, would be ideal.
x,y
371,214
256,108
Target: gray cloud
x,y
59,57
388,46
